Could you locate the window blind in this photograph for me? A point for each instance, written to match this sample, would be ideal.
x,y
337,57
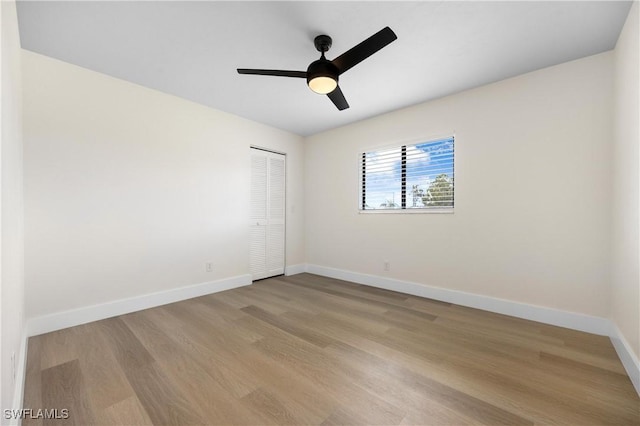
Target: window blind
x,y
416,176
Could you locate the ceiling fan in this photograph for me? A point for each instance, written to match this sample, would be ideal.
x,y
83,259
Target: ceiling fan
x,y
322,75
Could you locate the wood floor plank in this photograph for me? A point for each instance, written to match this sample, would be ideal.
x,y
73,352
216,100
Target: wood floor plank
x,y
160,397
188,375
310,336
106,383
436,369
267,405
587,357
309,361
247,362
58,348
220,308
273,303
592,379
431,390
306,349
331,299
515,373
129,411
213,360
157,394
391,384
212,314
532,340
362,317
63,389
128,350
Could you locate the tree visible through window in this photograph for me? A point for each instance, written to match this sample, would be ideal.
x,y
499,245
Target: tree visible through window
x,y
418,176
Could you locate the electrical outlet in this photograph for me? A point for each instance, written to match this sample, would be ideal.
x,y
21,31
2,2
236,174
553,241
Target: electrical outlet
x,y
209,266
387,266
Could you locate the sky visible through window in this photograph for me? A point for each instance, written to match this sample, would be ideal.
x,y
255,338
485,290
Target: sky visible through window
x,y
429,176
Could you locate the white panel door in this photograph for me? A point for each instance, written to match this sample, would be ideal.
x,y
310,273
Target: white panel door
x,y
267,217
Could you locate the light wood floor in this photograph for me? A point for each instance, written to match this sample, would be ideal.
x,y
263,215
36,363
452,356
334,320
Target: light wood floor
x,y
311,350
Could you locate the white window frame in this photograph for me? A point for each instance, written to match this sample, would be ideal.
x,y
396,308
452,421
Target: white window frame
x,y
413,210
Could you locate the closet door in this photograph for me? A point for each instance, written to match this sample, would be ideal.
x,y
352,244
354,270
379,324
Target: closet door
x,y
267,217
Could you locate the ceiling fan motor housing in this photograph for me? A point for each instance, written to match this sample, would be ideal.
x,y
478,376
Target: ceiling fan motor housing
x,y
322,68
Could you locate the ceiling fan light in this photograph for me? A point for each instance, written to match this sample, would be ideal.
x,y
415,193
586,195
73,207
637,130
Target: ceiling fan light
x,y
322,76
323,84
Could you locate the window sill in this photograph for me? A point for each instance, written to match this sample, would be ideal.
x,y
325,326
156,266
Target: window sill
x,y
407,211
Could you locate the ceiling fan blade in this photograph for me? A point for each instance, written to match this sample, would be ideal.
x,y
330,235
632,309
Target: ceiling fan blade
x,y
338,99
277,73
362,51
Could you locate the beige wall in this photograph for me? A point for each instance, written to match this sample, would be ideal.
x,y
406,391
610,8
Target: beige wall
x,y
11,203
129,191
533,192
626,187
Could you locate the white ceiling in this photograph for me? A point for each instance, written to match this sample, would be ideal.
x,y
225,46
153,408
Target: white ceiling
x,y
192,49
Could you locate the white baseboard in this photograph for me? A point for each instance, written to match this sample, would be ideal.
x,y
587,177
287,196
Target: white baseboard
x,y
21,372
573,320
295,269
627,356
65,319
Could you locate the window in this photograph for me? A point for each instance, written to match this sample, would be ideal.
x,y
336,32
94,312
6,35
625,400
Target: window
x,y
410,177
